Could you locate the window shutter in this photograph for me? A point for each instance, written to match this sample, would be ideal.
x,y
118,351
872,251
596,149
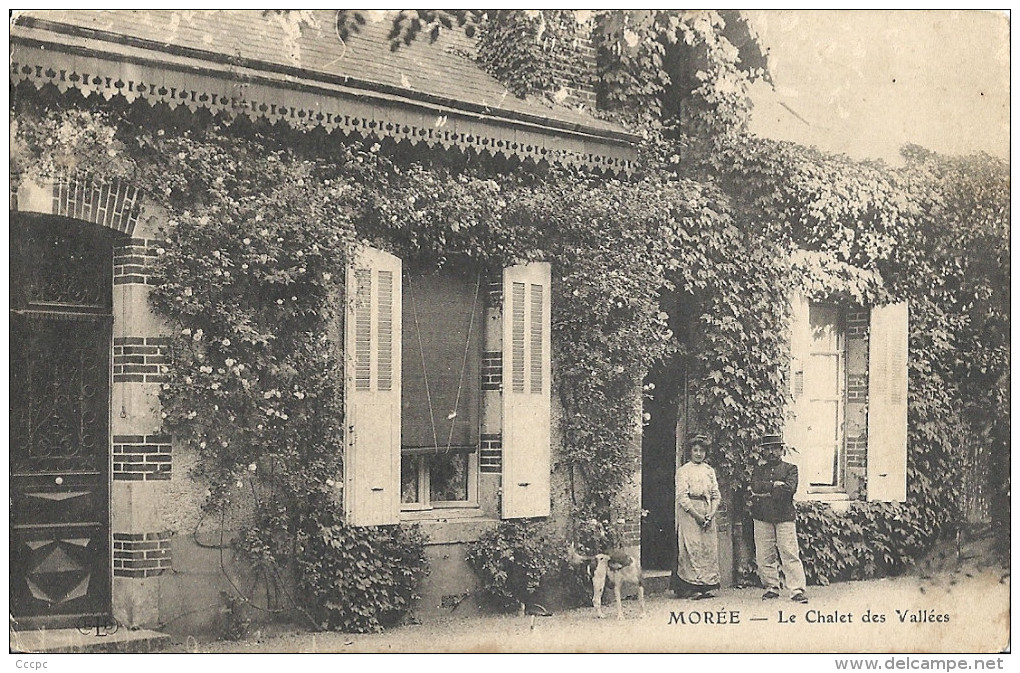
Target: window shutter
x,y
887,403
372,339
526,390
796,434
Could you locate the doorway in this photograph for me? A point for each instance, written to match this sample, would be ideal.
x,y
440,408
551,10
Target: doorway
x,y
61,322
658,469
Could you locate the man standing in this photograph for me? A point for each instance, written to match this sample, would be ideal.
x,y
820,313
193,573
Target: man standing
x,y
773,484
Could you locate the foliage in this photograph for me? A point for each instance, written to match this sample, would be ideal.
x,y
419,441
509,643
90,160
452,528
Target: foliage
x,y
360,579
688,265
530,51
916,230
237,622
690,68
594,532
957,258
249,279
511,560
46,145
868,540
678,67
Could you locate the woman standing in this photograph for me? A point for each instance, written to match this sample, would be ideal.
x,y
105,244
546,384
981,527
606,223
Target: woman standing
x,y
697,502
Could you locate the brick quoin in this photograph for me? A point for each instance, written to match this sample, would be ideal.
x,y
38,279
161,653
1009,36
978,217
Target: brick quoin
x,y
490,459
142,457
857,324
139,359
133,261
857,451
492,370
857,388
141,554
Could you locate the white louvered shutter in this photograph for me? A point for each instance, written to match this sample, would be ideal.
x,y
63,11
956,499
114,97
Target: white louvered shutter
x,y
887,403
797,431
526,390
372,461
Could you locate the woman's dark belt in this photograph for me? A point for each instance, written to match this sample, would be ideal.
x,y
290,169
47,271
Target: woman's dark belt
x,y
698,497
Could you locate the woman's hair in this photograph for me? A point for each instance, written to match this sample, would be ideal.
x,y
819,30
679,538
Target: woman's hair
x,y
700,440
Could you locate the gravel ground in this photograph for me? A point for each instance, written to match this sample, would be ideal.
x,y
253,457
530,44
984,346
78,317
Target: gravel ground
x,y
964,611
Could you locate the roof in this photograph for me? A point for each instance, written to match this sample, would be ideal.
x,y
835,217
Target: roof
x,y
302,50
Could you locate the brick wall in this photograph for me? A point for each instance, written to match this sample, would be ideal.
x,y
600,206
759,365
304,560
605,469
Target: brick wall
x,y
142,457
141,554
490,459
139,359
857,323
133,259
577,72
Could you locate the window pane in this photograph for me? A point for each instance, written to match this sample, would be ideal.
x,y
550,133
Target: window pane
x,y
822,455
824,328
448,474
821,375
823,409
409,481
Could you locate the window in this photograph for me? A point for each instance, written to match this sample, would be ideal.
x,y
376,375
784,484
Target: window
x,y
822,408
441,374
848,415
413,346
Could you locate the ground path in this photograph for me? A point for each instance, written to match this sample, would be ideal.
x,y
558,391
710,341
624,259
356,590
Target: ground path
x,y
965,611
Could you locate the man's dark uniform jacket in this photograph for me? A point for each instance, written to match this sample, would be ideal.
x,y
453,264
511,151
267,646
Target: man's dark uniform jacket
x,y
770,502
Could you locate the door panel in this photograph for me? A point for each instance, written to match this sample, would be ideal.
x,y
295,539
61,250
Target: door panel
x,y
60,328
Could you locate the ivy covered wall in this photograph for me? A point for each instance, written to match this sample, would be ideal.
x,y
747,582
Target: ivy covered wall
x,y
260,218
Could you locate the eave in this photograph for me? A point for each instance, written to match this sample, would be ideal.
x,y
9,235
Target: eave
x,y
95,62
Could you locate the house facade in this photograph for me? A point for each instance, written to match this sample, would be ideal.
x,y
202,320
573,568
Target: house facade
x,y
449,376
449,402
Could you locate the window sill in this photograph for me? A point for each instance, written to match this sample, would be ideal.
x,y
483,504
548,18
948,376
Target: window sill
x,y
450,527
441,512
839,502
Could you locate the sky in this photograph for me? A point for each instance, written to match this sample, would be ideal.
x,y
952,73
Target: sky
x,y
864,83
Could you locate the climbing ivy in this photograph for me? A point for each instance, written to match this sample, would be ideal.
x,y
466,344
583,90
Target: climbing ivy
x,y
933,233
685,69
688,265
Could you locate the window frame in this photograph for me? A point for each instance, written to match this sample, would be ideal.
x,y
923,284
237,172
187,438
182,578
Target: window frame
x,y
425,504
840,486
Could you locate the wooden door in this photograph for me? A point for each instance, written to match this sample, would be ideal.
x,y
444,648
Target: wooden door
x,y
60,329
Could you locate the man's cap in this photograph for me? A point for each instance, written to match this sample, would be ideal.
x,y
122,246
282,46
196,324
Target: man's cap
x,y
771,440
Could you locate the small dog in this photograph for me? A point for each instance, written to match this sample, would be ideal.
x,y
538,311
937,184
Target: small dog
x,y
618,567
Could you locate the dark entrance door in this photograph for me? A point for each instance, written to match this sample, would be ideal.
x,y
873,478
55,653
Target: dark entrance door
x,y
658,471
60,323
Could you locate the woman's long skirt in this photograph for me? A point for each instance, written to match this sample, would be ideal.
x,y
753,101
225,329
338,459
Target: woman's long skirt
x,y
698,558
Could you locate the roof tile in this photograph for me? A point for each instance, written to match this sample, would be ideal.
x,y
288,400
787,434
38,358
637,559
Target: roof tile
x,y
309,40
